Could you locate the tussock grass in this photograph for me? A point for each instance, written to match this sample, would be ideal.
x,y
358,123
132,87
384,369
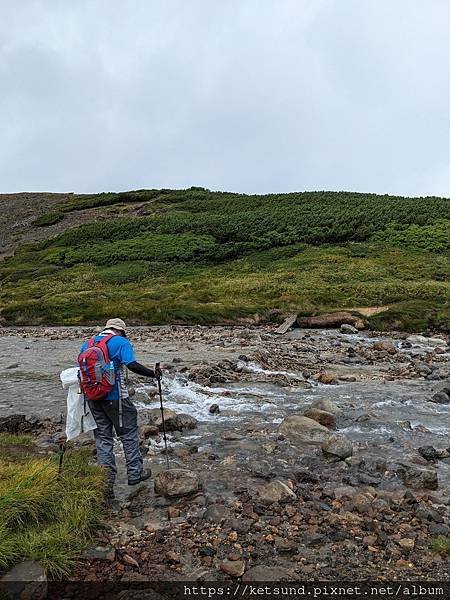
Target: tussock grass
x,y
441,544
42,516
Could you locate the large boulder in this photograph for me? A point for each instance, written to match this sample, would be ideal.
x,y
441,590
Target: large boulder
x,y
25,580
331,320
337,446
176,482
276,491
301,430
321,416
418,477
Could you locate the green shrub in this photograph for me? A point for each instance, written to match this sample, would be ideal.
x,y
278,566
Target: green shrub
x,y
149,247
49,218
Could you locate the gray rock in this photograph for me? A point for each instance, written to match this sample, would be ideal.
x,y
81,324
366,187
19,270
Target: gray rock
x,y
440,398
180,422
276,491
176,482
428,453
265,573
216,513
154,416
301,430
438,529
26,580
327,406
214,409
418,477
344,491
326,419
337,446
106,553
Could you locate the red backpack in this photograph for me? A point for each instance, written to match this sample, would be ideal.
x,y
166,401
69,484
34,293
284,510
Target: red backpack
x,y
97,374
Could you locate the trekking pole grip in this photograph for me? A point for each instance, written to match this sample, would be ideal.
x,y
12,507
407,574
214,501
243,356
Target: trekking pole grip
x,y
158,372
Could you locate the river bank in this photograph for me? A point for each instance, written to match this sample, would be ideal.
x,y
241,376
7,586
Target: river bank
x,y
267,495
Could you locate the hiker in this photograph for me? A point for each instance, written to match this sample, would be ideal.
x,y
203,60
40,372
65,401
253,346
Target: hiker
x,y
115,408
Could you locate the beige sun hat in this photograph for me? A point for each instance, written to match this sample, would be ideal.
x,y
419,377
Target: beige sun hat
x,y
116,324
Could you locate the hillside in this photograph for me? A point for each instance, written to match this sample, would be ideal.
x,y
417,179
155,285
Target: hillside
x,y
160,256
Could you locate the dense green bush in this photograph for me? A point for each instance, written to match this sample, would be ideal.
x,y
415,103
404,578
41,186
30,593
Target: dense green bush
x,y
152,247
49,218
434,238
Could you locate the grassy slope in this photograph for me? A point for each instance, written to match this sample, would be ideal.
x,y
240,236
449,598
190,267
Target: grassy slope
x,y
35,526
198,256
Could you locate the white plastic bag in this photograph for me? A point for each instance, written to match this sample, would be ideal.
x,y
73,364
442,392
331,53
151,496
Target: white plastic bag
x,y
79,418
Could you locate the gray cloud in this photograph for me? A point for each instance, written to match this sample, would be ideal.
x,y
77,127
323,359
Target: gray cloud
x,y
243,95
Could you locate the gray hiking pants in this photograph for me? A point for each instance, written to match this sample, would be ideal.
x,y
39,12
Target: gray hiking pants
x,y
106,415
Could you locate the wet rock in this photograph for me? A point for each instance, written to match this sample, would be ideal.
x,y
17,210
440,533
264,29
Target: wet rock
x,y
324,418
348,329
276,491
418,477
214,409
326,378
234,568
176,482
154,416
149,430
337,446
180,422
301,430
326,406
384,347
25,580
216,513
429,453
440,398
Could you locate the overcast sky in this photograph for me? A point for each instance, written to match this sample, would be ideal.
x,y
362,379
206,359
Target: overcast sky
x,y
243,95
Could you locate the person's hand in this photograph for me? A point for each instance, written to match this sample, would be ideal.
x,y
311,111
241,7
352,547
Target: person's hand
x,y
158,371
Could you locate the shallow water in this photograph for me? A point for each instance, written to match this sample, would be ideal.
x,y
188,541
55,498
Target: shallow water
x,y
383,417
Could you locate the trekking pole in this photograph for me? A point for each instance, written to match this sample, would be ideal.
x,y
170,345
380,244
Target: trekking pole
x,y
158,376
62,450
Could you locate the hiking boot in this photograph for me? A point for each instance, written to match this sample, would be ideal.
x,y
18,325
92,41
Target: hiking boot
x,y
143,477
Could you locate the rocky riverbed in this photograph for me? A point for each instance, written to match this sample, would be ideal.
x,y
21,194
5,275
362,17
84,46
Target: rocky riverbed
x,y
318,454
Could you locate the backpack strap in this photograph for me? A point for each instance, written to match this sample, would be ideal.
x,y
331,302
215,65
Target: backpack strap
x,y
102,344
